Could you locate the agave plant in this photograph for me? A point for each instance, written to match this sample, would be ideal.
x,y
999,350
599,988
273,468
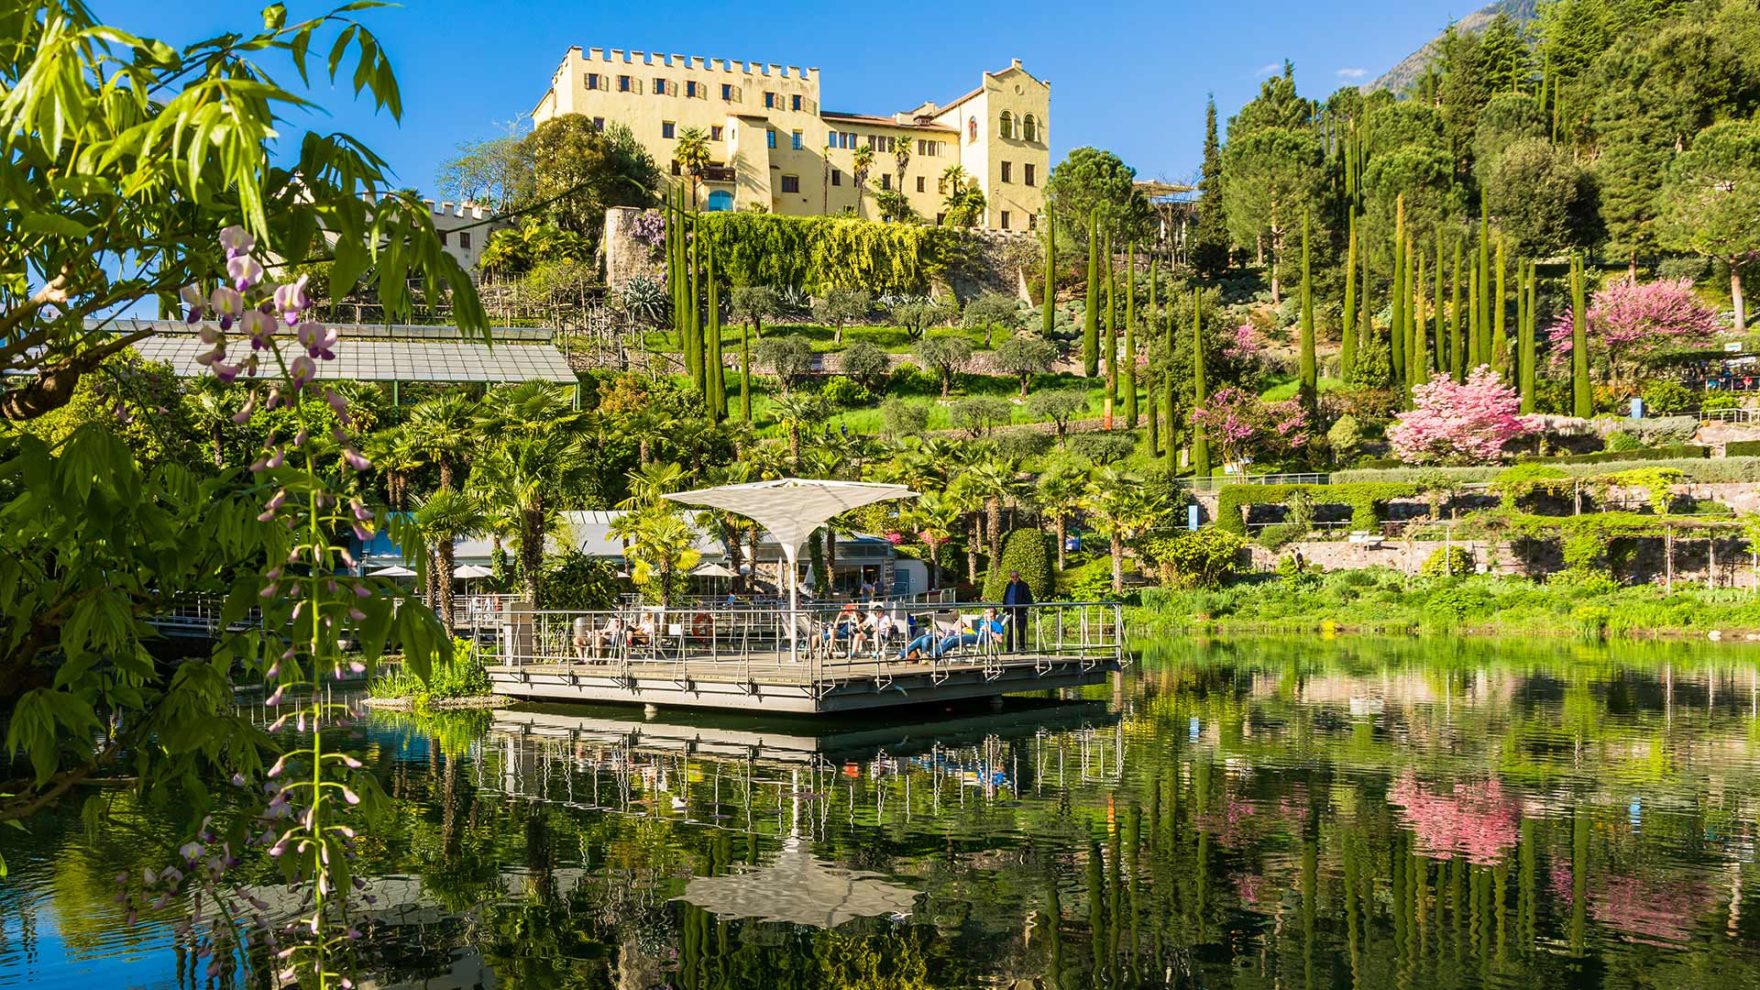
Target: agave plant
x,y
644,299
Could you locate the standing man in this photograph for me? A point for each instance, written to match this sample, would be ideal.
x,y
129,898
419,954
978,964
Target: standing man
x,y
1016,597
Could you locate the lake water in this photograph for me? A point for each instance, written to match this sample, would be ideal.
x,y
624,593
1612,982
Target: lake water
x,y
1242,813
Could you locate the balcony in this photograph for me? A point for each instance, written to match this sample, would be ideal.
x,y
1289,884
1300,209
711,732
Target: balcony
x,y
717,173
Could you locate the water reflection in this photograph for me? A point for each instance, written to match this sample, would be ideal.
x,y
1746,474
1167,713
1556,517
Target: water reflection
x,y
1251,813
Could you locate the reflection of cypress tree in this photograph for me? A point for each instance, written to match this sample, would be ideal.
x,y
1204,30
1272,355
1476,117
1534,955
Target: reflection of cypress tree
x,y
1527,880
1310,890
1096,910
1133,844
1500,909
1579,878
1353,926
1054,929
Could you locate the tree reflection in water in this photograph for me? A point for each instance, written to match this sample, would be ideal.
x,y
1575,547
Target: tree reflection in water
x,y
1252,813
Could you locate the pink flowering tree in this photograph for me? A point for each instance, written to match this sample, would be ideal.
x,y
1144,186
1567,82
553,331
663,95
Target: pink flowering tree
x,y
1237,423
1630,322
1459,423
1246,344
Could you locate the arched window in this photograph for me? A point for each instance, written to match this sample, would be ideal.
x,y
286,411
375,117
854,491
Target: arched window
x,y
1007,124
971,128
1030,128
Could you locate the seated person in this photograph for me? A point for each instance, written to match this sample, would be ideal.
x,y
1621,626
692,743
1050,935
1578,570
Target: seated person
x,y
583,636
609,638
982,631
871,631
643,632
844,625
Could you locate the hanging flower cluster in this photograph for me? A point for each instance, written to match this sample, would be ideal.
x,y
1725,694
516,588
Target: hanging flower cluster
x,y
1459,423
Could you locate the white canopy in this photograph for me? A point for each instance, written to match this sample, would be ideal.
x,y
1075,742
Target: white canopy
x,y
712,569
394,571
791,508
800,889
472,571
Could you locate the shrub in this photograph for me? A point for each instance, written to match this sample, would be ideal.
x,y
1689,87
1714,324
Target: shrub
x,y
1719,400
1203,558
1449,562
1346,438
903,418
1667,395
1620,440
1741,448
1671,452
1028,551
1664,431
866,363
845,393
1019,445
978,415
1364,498
1103,448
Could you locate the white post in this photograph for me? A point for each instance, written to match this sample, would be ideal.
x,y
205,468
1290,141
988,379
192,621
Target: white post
x,y
790,554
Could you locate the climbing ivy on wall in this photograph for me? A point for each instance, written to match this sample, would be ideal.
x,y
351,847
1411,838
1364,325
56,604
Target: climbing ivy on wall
x,y
815,253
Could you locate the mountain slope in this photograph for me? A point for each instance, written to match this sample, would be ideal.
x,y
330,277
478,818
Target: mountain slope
x,y
1412,66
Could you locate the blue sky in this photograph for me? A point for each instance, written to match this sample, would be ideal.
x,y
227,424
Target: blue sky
x,y
1128,76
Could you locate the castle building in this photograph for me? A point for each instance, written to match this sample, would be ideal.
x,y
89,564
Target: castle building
x,y
773,147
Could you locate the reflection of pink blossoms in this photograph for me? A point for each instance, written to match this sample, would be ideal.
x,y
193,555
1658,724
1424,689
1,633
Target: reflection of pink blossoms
x,y
1459,424
1628,321
1477,820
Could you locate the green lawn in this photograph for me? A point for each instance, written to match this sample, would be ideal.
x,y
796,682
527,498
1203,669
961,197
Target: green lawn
x,y
894,340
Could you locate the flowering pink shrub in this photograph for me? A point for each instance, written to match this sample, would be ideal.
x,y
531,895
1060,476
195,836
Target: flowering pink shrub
x,y
1477,820
1246,344
1235,419
1629,321
1459,424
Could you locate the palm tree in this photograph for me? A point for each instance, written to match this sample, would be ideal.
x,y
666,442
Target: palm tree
x,y
1125,509
649,482
662,547
444,430
953,179
692,155
795,412
901,156
522,476
395,456
994,481
1061,495
936,516
862,162
972,502
443,519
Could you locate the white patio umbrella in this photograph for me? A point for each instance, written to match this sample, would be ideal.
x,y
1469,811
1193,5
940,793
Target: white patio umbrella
x,y
472,571
712,570
394,571
791,508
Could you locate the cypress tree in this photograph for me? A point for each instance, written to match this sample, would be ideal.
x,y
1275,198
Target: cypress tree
x,y
1130,338
1168,388
1048,309
1209,252
1154,418
1485,355
1397,307
1310,375
1091,309
1500,333
1457,347
1347,337
1529,326
1439,359
745,374
1475,357
1109,337
1582,401
1420,353
1200,443
716,375
693,311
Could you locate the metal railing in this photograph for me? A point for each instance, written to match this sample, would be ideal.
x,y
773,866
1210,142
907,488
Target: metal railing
x,y
1214,483
820,646
1728,415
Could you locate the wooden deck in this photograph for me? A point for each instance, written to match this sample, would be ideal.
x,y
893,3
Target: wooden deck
x,y
772,682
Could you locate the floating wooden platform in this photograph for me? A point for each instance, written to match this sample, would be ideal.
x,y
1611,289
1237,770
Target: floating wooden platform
x,y
772,682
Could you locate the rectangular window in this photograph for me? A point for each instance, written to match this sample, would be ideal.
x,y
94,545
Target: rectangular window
x,y
769,101
1027,173
464,239
727,92
676,168
794,102
922,184
1007,172
770,139
659,85
940,218
592,80
1004,219
1032,221
598,123
692,88
831,140
714,133
668,129
798,141
623,84
885,180
791,183
442,234
837,177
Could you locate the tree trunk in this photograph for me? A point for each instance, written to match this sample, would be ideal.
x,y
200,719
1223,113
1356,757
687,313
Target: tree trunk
x,y
1735,295
531,551
994,523
934,546
1062,531
445,474
445,552
974,540
1117,564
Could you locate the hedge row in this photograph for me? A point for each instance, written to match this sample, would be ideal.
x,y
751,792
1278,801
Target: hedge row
x,y
1697,468
1741,448
1671,452
1364,498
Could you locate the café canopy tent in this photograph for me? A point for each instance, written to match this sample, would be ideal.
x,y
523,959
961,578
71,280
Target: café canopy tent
x,y
711,569
394,571
791,508
472,571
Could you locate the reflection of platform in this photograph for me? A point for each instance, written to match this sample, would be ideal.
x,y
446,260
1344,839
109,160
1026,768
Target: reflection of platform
x,y
773,683
791,739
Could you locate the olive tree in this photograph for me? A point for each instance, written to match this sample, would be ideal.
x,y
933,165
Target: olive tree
x,y
991,312
946,354
1025,355
789,358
